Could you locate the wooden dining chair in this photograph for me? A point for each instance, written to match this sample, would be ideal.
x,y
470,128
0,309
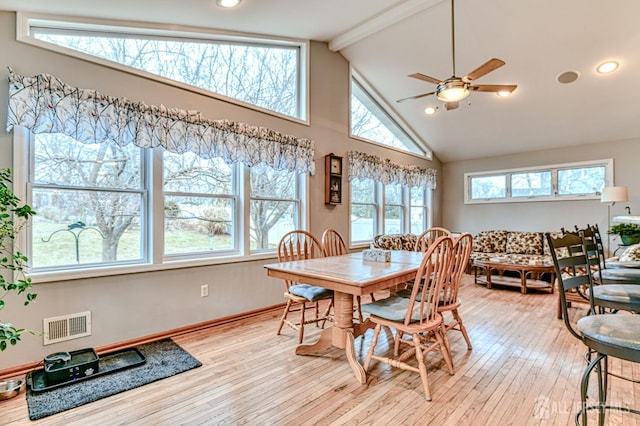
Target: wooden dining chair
x,y
299,245
416,316
424,240
449,300
333,245
604,335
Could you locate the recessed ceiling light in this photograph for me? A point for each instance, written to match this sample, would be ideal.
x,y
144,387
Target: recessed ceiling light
x,y
228,3
607,67
430,110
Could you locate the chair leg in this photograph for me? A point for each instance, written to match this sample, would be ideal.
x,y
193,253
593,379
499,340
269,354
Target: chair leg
x,y
372,346
422,368
444,348
463,330
584,386
302,319
284,317
396,342
316,312
359,308
326,313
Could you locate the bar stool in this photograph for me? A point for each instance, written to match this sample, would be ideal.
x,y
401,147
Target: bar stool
x,y
605,335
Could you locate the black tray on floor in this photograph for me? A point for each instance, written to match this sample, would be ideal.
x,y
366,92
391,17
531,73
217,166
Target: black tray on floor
x,y
107,363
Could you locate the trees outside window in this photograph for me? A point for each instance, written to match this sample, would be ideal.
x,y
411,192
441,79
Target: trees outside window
x,y
95,209
90,200
257,73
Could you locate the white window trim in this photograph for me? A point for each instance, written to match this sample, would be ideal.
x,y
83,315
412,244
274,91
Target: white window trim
x,y
417,140
608,163
24,21
155,259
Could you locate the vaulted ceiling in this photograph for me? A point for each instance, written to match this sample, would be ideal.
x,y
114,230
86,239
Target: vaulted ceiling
x,y
385,40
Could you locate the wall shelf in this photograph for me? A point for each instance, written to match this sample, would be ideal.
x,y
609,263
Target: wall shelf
x,y
332,179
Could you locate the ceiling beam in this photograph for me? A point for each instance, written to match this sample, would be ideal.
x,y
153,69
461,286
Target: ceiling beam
x,y
379,22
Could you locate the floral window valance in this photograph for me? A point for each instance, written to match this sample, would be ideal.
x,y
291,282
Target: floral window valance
x,y
45,104
365,166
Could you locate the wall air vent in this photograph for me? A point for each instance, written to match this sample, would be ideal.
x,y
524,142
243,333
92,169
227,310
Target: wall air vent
x,y
66,327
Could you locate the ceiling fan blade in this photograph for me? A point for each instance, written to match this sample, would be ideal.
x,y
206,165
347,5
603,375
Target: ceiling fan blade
x,y
415,97
426,78
484,69
494,88
451,105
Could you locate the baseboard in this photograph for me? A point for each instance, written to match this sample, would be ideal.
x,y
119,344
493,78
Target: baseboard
x,y
25,368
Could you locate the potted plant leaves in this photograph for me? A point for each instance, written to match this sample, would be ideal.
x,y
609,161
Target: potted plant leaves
x,y
13,217
629,233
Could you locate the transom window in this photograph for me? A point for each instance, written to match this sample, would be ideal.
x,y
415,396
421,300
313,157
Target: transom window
x,y
556,182
372,122
267,74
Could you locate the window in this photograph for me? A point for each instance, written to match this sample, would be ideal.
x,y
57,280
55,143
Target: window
x,y
90,201
547,183
275,206
200,202
268,74
371,122
372,214
531,184
364,208
94,208
418,210
393,209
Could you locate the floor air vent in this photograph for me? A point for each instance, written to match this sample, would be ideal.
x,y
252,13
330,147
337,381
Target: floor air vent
x,y
66,327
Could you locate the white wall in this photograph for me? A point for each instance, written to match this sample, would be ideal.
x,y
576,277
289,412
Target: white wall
x,y
127,307
540,216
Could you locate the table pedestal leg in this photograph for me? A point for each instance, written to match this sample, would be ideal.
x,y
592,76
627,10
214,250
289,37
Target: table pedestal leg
x,y
340,335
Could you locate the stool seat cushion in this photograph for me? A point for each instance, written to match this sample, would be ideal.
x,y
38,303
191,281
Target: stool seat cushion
x,y
619,296
630,275
620,331
393,308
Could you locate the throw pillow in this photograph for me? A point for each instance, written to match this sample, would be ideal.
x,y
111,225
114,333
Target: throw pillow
x,y
631,253
524,243
482,243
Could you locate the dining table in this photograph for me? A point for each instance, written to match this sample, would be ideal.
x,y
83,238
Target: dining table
x,y
347,275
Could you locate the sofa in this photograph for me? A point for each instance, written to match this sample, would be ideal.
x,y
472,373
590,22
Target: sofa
x,y
395,241
516,247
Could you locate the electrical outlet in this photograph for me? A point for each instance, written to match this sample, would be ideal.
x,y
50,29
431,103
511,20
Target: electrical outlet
x,y
204,290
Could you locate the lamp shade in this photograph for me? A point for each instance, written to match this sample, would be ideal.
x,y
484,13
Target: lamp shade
x,y
614,194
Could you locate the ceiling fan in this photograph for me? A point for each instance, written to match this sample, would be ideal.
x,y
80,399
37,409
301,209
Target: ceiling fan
x,y
454,89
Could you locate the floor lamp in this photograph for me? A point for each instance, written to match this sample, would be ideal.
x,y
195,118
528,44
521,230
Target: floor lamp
x,y
612,195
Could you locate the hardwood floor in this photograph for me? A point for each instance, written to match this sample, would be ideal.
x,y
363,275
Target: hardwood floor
x,y
524,369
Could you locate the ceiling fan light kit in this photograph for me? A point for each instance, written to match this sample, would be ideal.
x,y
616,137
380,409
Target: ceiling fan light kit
x,y
454,89
228,3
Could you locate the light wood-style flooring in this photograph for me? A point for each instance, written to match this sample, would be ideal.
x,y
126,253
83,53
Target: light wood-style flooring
x,y
524,369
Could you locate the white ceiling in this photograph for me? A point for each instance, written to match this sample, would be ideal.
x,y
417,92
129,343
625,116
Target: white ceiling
x,y
385,40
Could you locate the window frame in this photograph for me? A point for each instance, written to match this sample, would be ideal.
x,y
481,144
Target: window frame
x,y
153,258
25,20
422,149
553,168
